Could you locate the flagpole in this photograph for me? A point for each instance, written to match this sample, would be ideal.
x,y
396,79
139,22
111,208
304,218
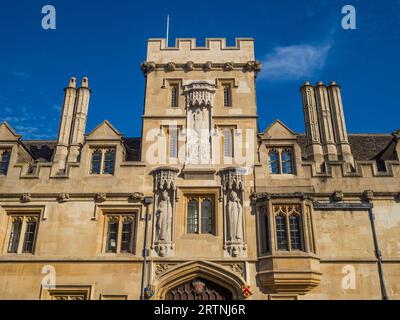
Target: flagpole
x,y
167,30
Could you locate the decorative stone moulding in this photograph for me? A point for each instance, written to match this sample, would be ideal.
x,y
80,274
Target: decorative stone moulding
x,y
63,197
250,66
337,196
136,197
253,66
199,93
25,197
228,66
100,197
189,66
170,66
368,195
208,66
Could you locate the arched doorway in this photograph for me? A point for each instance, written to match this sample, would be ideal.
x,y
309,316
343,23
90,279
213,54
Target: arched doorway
x,y
198,280
198,289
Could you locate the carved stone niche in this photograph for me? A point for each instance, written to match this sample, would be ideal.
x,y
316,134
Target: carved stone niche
x,y
199,103
232,187
164,208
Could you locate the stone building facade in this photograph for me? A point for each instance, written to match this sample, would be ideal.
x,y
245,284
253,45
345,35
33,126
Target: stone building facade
x,y
203,205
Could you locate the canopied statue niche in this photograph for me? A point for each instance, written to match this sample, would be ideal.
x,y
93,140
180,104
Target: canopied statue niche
x,y
234,229
164,195
199,102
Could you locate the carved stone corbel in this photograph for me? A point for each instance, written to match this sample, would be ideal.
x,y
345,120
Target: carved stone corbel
x,y
100,197
136,197
25,197
148,67
170,66
63,197
337,196
189,66
207,66
228,66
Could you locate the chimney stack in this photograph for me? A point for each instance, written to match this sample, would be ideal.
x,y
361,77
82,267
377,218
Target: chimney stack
x,y
325,124
314,147
64,131
339,123
80,117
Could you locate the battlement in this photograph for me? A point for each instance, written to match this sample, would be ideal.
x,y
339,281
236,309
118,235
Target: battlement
x,y
186,49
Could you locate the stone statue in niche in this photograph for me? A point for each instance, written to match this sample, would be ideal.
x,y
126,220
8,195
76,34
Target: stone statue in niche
x,y
235,218
164,219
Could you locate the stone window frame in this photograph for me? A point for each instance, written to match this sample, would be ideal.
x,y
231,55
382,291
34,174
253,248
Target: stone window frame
x,y
103,150
168,83
120,213
25,213
279,150
267,241
67,292
231,84
192,195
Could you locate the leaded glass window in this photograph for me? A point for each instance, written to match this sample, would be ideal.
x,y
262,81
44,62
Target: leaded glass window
x,y
287,162
15,235
281,233
228,143
295,236
227,95
109,161
30,234
96,162
174,95
112,235
4,161
192,216
273,162
207,225
127,235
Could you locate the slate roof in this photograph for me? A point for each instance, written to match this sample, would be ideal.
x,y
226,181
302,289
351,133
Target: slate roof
x,y
363,146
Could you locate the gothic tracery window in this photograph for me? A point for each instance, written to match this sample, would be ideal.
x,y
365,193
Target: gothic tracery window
x,y
288,227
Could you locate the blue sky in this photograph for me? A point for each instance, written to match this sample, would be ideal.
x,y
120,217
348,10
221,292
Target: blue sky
x,y
106,41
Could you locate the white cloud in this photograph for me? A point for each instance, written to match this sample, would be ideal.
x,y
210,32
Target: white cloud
x,y
294,62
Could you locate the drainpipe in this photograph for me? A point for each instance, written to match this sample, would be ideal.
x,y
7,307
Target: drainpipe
x,y
145,253
378,254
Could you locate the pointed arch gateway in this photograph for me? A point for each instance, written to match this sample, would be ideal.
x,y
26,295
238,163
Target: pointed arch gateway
x,y
199,280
